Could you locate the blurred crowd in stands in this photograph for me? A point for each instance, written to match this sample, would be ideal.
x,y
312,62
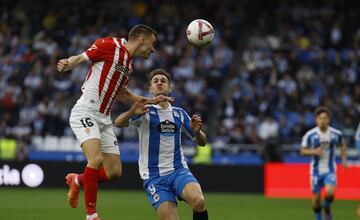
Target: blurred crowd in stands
x,y
270,65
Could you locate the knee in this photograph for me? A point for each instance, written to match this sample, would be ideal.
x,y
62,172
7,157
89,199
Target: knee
x,y
198,204
115,173
329,197
317,202
95,161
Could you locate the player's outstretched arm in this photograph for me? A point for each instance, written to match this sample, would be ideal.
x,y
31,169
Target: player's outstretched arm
x,y
306,151
128,97
70,63
139,108
196,125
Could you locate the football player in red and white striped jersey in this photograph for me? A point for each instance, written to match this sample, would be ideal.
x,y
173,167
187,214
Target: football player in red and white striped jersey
x,y
111,66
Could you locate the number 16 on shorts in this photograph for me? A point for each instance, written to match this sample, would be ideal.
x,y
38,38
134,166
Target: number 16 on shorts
x,y
86,122
84,128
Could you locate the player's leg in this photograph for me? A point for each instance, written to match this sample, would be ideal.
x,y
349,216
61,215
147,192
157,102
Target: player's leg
x,y
316,202
87,131
111,154
162,197
167,211
329,198
112,168
193,195
188,189
95,159
316,185
78,179
330,184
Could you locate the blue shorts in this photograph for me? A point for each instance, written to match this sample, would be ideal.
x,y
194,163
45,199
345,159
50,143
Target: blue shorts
x,y
168,187
319,181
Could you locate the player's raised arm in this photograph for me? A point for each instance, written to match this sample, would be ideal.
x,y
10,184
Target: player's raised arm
x,y
126,96
95,53
196,125
139,108
70,63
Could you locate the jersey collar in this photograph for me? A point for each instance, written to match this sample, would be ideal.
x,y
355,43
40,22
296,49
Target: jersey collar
x,y
320,132
159,107
123,41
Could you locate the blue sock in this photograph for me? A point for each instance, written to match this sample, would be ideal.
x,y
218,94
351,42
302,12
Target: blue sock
x,y
327,203
317,212
318,216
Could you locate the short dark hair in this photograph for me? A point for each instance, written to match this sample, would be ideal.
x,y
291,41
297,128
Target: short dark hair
x,y
140,29
159,72
322,109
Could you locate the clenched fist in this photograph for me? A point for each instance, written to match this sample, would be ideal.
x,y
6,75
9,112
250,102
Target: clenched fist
x,y
63,65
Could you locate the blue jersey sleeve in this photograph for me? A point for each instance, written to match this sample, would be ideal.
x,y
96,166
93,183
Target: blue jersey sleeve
x,y
186,125
135,120
310,140
306,141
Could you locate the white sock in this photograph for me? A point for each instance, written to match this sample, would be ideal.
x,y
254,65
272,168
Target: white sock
x,y
76,180
92,216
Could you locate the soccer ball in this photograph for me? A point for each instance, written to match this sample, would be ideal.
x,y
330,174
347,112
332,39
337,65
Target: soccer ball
x,y
200,32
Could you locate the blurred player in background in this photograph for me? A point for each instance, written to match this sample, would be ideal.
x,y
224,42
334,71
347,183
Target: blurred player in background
x,y
357,141
90,120
162,164
320,143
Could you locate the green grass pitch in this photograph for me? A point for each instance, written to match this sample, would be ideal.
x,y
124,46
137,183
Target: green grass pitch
x,y
51,204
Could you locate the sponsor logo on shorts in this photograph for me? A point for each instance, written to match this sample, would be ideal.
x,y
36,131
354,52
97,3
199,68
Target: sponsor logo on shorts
x,y
116,143
152,189
156,197
87,130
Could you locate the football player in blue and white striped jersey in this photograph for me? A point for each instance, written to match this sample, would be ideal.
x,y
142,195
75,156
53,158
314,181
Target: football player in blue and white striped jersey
x,y
162,164
320,143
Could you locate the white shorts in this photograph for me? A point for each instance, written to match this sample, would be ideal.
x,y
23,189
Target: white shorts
x,y
88,124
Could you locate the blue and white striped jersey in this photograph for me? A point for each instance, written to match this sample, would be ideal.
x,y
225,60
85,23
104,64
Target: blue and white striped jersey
x,y
327,141
160,140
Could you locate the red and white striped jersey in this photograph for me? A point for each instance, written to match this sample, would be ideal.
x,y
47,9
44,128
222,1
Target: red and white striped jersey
x,y
109,72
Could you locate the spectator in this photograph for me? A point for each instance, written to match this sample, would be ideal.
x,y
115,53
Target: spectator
x,y
268,129
286,65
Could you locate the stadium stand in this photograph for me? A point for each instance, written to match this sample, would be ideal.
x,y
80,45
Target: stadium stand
x,y
268,67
